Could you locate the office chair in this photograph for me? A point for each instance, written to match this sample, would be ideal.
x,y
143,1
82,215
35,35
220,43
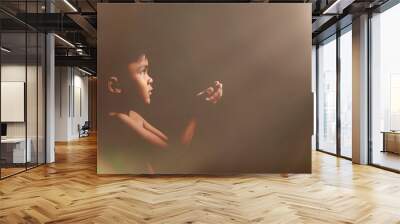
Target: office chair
x,y
84,130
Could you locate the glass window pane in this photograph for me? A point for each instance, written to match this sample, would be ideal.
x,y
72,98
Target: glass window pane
x,y
31,97
346,94
22,88
41,98
327,96
313,87
385,89
14,150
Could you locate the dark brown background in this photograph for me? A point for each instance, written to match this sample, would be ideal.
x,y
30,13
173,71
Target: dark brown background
x,y
261,53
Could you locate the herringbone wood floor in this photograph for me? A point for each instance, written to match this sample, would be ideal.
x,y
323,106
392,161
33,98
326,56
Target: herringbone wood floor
x,y
69,191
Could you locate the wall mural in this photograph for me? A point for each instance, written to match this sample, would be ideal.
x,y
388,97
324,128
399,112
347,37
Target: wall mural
x,y
204,88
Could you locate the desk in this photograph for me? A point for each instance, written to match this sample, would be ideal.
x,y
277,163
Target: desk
x,y
13,150
391,141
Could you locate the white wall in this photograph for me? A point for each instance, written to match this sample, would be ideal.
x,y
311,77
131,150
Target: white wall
x,y
16,73
71,102
61,103
50,94
33,127
80,112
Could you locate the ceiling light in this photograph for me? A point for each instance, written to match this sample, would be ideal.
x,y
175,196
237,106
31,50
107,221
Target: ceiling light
x,y
337,7
84,71
65,41
70,5
5,50
79,51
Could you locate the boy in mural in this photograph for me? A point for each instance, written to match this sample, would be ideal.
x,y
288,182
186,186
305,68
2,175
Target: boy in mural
x,y
141,82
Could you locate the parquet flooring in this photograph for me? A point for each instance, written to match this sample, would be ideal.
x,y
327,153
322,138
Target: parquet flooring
x,y
10,171
69,191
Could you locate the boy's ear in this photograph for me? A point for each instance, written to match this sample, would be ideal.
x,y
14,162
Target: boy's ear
x,y
113,85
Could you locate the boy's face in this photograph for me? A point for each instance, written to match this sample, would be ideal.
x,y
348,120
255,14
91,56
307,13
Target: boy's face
x,y
139,73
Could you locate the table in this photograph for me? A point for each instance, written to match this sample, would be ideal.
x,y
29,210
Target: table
x,y
13,150
391,141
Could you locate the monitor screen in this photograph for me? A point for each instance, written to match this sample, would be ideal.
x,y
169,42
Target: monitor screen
x,y
3,129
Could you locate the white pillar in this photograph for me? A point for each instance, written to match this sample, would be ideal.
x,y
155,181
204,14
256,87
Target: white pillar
x,y
50,99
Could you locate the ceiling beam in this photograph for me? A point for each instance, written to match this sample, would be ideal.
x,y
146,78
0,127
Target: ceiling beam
x,y
84,24
81,61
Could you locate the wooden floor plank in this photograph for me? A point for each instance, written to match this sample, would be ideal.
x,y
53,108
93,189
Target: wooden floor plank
x,y
69,191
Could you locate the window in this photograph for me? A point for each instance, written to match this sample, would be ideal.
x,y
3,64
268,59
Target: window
x,y
334,106
327,96
22,101
385,89
346,93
